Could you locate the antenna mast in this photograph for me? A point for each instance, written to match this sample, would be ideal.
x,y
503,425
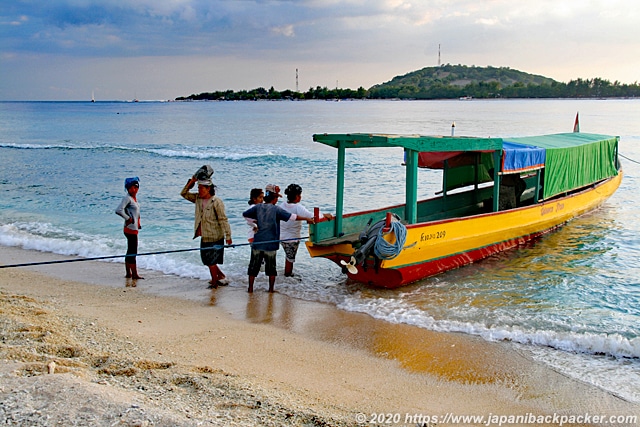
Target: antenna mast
x,y
297,80
438,54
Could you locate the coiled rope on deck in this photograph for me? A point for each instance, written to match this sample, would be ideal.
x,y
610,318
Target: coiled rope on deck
x,y
28,264
385,250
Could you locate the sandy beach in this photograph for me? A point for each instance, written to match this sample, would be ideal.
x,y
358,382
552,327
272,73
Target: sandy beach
x,y
80,345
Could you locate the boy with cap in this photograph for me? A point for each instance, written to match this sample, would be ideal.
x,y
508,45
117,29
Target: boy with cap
x,y
266,240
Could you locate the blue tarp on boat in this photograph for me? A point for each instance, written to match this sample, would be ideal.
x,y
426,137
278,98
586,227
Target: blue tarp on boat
x,y
521,157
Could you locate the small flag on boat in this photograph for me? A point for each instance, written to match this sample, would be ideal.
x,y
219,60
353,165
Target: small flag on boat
x,y
576,125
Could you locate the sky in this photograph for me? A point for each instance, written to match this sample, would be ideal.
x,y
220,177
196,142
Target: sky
x,y
163,49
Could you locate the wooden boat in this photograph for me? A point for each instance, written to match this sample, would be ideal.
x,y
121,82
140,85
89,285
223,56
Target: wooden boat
x,y
497,193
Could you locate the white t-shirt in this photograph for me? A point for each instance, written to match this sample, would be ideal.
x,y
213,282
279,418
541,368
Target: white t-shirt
x,y
291,229
253,227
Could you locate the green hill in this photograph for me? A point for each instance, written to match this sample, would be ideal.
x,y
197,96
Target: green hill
x,y
462,75
450,81
447,82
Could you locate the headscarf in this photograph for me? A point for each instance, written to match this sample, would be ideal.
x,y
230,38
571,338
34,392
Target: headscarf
x,y
128,182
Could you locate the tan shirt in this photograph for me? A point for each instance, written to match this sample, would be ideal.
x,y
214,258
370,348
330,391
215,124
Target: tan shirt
x,y
211,220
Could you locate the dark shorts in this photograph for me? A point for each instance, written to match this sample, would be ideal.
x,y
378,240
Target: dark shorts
x,y
132,247
255,263
212,256
290,250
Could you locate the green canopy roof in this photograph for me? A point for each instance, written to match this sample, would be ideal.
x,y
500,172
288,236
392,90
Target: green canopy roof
x,y
419,143
574,159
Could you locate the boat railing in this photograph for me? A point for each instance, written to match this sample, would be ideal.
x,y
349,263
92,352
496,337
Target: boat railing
x,y
325,233
473,201
457,205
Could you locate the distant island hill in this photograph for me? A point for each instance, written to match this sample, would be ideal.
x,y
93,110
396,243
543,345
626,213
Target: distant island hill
x,y
446,82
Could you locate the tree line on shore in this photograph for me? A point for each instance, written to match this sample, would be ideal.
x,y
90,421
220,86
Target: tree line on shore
x,y
272,94
580,88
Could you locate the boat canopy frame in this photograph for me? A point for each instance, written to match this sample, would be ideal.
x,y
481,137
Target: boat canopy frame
x,y
412,145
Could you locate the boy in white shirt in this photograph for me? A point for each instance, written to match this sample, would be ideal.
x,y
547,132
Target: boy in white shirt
x,y
290,230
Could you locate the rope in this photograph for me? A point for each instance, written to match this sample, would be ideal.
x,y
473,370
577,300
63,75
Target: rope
x,y
386,250
631,160
141,254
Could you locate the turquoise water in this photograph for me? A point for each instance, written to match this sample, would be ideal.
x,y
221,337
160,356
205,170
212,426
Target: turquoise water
x,y
570,300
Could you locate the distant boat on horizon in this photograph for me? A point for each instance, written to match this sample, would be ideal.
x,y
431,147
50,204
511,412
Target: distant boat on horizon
x,y
93,98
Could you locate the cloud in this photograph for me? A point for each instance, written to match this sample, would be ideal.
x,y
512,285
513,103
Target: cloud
x,y
365,42
287,30
21,20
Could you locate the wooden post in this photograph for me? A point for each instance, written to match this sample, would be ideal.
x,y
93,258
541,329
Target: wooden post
x,y
496,180
387,223
445,174
340,189
312,227
411,187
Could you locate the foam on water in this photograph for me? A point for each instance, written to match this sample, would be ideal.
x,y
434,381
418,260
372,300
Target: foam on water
x,y
618,375
46,237
395,311
188,152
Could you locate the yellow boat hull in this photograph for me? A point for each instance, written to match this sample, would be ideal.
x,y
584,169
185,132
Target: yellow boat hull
x,y
438,246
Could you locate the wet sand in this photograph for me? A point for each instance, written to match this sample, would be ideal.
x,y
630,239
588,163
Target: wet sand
x,y
306,361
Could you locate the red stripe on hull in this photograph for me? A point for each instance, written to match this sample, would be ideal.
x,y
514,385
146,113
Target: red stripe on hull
x,y
394,278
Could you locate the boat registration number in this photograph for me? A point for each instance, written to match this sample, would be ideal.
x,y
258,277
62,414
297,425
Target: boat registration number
x,y
430,236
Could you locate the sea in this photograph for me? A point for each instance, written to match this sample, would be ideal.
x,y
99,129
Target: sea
x,y
570,300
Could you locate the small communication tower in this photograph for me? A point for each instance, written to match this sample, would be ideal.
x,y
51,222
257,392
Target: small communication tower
x,y
296,80
438,54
